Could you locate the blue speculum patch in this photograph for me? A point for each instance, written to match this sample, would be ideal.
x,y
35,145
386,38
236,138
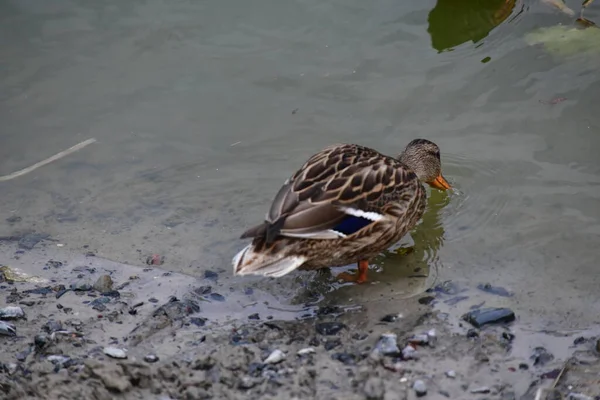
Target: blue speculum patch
x,y
352,224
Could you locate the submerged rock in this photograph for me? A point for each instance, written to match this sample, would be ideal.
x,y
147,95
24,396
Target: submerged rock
x,y
484,316
329,328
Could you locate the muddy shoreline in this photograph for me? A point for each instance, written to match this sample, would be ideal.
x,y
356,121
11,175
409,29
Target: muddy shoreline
x,y
196,338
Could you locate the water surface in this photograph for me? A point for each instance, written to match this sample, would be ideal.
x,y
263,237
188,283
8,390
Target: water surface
x,y
202,109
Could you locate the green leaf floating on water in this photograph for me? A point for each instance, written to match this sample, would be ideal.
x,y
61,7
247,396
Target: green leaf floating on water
x,y
563,40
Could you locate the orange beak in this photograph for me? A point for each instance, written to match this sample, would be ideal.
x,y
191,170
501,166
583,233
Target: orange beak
x,y
440,183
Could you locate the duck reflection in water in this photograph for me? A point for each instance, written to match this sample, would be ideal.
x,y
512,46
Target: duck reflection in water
x,y
454,22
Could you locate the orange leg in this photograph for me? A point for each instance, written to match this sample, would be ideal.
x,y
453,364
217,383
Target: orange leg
x,y
360,276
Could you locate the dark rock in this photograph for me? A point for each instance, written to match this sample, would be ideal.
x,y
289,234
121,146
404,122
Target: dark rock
x,y
112,293
29,241
480,390
332,344
254,316
52,326
447,287
211,275
541,356
216,297
426,300
153,300
54,264
472,334
13,219
329,310
198,321
344,358
248,291
508,336
42,290
203,290
579,340
360,336
484,316
497,290
103,284
60,293
81,285
329,328
523,366
99,307
22,355
391,318
27,303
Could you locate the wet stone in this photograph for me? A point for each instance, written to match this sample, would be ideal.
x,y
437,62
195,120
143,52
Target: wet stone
x,y
151,358
485,316
153,300
198,321
29,241
254,316
541,356
211,275
11,312
344,358
420,388
426,300
216,297
391,318
52,326
112,293
82,285
329,328
332,344
28,303
54,264
472,334
203,290
497,290
40,341
480,390
103,284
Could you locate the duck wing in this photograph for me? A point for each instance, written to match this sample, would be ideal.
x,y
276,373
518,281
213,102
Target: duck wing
x,y
336,193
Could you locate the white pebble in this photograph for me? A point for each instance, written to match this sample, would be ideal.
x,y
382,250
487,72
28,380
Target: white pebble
x,y
409,352
275,357
308,350
451,374
114,352
420,387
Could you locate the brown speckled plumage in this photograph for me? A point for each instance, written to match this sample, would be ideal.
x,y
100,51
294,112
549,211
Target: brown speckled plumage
x,y
297,227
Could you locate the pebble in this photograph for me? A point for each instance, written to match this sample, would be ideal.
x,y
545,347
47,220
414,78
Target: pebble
x,y
307,350
11,312
391,318
52,326
541,356
480,390
420,388
151,358
254,316
578,396
211,275
329,328
275,357
54,264
217,297
57,359
451,374
332,344
198,321
40,341
387,344
27,303
485,316
409,352
497,290
419,339
115,352
81,285
103,284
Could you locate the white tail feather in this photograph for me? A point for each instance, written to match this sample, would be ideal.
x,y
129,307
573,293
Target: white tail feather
x,y
247,262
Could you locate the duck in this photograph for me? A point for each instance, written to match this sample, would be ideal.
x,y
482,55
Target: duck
x,y
345,205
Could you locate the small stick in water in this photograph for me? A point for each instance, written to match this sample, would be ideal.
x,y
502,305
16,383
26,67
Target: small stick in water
x,y
47,160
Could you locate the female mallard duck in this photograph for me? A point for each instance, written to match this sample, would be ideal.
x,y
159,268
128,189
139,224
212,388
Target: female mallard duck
x,y
346,204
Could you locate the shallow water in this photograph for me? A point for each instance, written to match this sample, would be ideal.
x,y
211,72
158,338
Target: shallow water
x,y
202,109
